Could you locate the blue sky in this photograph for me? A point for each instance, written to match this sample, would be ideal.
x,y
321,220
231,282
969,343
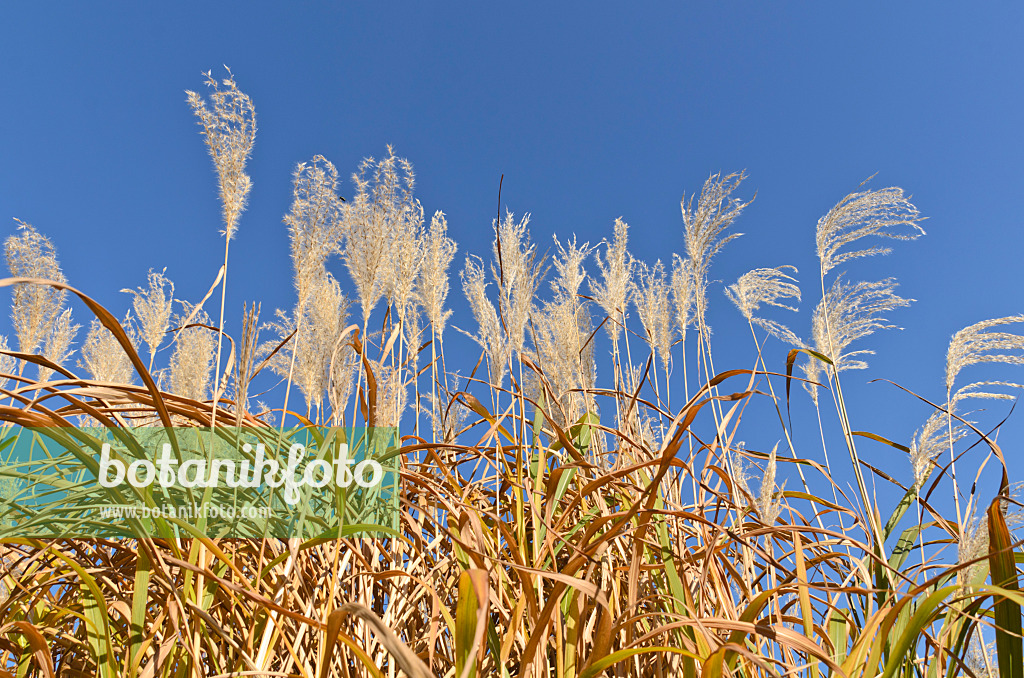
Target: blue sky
x,y
592,111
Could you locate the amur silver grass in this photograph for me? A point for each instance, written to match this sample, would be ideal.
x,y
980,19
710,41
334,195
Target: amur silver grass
x,y
766,286
884,213
392,393
8,363
974,345
768,499
612,292
518,272
34,308
705,227
974,540
447,415
406,257
740,472
315,225
569,269
416,336
651,296
432,286
383,199
682,294
978,344
153,306
343,373
489,335
570,273
189,374
982,658
57,347
307,356
929,441
852,311
248,347
636,423
229,127
813,373
104,358
973,544
566,357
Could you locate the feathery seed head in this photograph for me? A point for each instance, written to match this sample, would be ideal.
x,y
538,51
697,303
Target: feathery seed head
x,y
518,274
740,472
342,379
34,307
616,278
704,230
651,296
766,286
930,441
315,226
812,370
855,310
153,307
763,286
973,544
982,658
192,360
404,260
57,347
230,130
248,348
392,394
858,215
569,267
438,252
8,363
104,358
682,293
562,351
490,336
769,498
320,322
980,390
973,345
375,217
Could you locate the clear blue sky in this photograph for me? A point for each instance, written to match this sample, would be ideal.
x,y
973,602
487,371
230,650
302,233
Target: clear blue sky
x,y
591,110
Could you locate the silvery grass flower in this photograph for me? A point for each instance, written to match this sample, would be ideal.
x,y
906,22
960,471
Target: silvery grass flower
x,y
230,131
705,225
616,271
153,307
766,286
34,308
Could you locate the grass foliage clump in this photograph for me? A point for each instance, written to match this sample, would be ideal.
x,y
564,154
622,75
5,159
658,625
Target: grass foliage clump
x,y
573,502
